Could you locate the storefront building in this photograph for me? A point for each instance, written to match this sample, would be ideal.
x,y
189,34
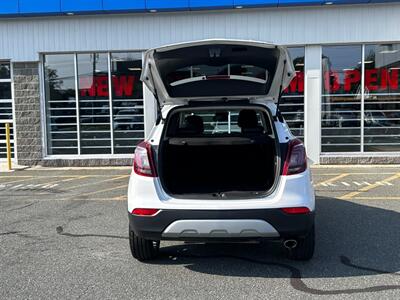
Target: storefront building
x,y
70,74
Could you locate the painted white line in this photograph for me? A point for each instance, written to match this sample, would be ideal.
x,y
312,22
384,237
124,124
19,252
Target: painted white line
x,y
16,186
366,183
356,183
388,183
368,188
331,184
345,183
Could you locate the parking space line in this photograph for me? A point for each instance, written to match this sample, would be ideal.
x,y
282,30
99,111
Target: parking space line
x,y
52,176
15,181
29,178
376,198
333,179
65,180
104,190
54,183
120,198
369,187
15,176
96,182
353,173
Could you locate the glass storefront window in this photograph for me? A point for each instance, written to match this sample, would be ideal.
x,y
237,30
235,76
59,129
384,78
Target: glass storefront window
x,y
341,99
292,104
382,98
5,70
94,104
62,136
128,115
6,109
83,117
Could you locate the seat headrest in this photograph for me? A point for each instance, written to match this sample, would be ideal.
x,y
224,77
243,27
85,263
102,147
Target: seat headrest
x,y
192,125
247,119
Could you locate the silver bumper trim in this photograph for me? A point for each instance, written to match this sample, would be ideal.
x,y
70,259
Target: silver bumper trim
x,y
220,229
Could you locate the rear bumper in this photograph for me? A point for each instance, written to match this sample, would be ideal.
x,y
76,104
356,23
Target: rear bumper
x,y
282,225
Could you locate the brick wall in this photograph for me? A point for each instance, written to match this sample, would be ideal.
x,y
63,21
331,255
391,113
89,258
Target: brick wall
x,y
27,113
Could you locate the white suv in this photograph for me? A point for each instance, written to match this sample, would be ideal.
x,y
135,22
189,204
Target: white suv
x,y
220,164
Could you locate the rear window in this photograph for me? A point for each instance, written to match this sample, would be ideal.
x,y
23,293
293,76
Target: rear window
x,y
210,72
219,122
217,70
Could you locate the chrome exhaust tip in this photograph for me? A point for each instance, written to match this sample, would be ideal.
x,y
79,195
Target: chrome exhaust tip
x,y
290,244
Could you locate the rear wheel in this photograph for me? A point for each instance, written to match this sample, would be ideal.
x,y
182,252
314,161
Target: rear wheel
x,y
305,247
142,249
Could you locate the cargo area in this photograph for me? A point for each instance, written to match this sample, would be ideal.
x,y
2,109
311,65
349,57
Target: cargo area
x,y
216,152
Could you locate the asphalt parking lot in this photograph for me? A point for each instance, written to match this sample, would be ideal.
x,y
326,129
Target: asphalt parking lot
x,y
63,234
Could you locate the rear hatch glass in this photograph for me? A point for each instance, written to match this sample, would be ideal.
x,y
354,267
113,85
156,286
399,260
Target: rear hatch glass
x,y
218,70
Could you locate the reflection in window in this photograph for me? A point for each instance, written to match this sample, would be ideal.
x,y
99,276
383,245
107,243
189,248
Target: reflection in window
x,y
292,104
128,116
5,90
6,113
382,98
5,70
61,104
94,104
341,99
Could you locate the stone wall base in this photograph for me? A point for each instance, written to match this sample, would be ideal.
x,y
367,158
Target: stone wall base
x,y
95,162
116,162
359,160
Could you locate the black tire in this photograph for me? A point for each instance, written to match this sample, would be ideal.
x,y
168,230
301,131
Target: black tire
x,y
305,247
142,249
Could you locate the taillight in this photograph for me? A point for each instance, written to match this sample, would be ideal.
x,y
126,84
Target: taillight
x,y
296,158
143,162
295,210
149,212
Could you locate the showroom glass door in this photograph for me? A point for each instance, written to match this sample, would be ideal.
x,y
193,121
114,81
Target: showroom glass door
x,y
6,108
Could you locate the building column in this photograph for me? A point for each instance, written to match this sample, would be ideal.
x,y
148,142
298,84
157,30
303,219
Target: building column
x,y
28,133
312,103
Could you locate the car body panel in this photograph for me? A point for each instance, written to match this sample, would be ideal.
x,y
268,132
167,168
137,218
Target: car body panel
x,y
292,191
